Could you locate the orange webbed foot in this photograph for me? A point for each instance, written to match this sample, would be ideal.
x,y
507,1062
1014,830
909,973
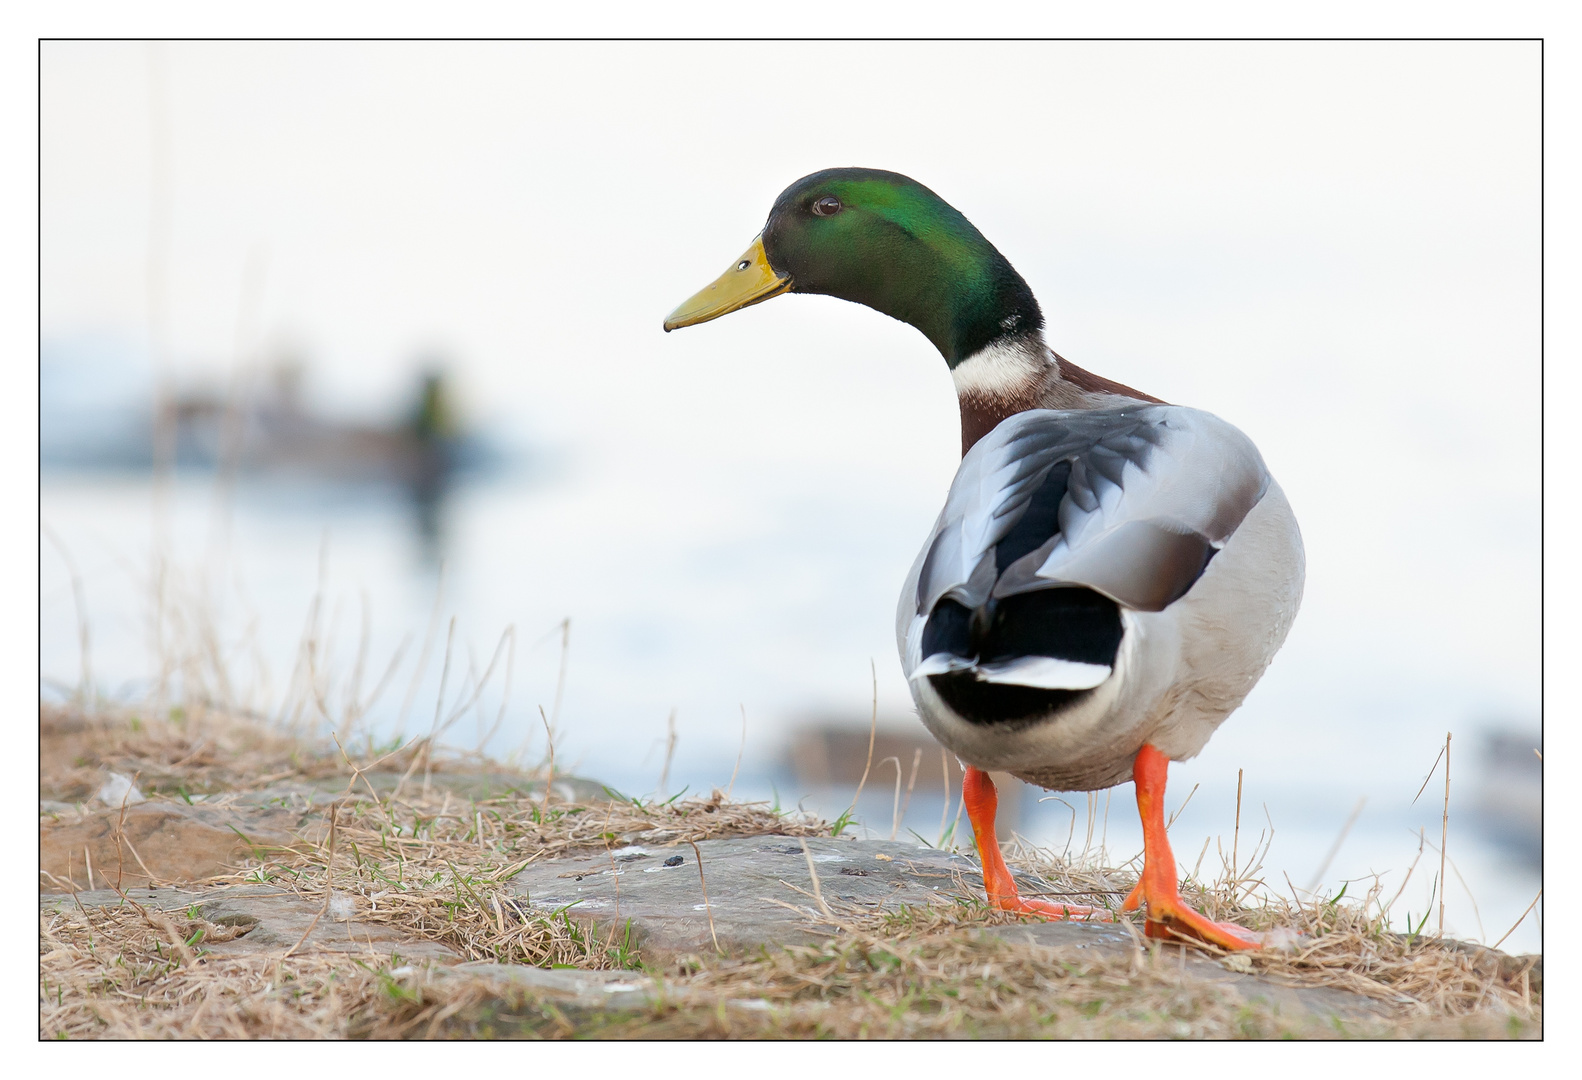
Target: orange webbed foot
x,y
1170,918
982,801
1156,891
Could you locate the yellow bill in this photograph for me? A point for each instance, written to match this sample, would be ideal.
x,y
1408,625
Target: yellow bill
x,y
750,280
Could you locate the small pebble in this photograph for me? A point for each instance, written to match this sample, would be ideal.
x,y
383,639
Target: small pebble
x,y
674,860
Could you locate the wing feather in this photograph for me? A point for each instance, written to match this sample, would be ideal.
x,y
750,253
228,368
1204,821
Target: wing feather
x,y
1152,493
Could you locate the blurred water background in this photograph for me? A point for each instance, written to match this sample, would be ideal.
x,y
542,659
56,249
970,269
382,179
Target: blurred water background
x,y
390,315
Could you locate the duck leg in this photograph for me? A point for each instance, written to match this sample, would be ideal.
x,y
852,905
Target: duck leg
x,y
1168,914
982,802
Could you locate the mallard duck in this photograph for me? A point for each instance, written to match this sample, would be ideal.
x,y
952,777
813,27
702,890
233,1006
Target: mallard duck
x,y
1110,575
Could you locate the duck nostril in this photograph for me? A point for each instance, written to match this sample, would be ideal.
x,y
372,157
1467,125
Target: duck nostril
x,y
744,264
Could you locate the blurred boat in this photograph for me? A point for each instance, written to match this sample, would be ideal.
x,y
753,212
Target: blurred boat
x,y
275,432
97,412
1509,798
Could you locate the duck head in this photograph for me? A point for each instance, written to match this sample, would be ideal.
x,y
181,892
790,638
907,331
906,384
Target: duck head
x,y
884,240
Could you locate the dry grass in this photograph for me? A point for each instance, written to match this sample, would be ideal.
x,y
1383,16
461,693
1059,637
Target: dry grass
x,y
929,978
126,973
116,973
121,972
923,973
434,866
1335,942
170,754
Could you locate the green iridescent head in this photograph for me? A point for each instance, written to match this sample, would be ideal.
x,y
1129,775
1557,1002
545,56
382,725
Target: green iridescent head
x,y
884,240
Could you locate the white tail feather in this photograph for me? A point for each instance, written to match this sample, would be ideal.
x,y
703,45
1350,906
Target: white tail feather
x,y
1042,672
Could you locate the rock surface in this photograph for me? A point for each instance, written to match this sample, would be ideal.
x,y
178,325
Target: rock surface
x,y
761,893
759,889
272,921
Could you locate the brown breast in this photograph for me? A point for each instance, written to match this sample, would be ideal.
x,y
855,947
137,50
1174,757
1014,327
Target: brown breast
x,y
1064,385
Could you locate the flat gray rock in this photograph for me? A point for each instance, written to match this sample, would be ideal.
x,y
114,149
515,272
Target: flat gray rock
x,y
761,894
759,889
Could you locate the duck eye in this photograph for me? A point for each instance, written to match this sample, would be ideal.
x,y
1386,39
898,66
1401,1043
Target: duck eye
x,y
827,206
